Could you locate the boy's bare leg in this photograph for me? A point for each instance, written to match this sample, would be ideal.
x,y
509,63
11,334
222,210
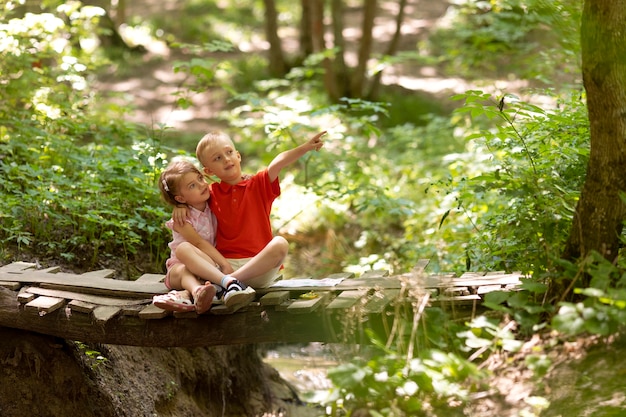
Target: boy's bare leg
x,y
270,257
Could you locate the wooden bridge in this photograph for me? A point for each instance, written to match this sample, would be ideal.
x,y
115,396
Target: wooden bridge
x,y
95,308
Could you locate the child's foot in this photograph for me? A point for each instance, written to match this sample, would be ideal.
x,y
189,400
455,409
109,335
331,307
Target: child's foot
x,y
174,301
237,294
203,298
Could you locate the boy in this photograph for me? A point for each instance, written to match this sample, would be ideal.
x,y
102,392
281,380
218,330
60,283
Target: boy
x,y
242,205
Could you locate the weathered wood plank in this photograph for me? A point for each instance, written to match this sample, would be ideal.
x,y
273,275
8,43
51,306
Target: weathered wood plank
x,y
44,305
377,273
152,312
102,273
346,299
24,297
11,285
94,299
81,306
380,300
86,284
307,305
52,269
151,278
17,266
344,275
358,283
274,298
104,313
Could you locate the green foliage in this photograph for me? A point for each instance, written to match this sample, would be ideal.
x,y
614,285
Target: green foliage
x,y
507,36
518,187
94,357
602,310
68,189
392,386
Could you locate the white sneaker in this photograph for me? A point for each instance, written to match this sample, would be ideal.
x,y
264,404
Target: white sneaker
x,y
237,295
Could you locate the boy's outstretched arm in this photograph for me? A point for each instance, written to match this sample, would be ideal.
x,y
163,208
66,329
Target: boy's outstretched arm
x,y
289,157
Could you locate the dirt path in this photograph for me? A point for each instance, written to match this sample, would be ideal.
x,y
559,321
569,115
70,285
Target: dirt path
x,y
151,87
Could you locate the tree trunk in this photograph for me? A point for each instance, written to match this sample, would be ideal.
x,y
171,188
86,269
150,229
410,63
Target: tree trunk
x,y
597,223
277,65
306,32
365,48
341,71
391,50
319,46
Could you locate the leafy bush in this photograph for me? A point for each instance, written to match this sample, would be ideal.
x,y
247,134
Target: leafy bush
x,y
519,185
68,189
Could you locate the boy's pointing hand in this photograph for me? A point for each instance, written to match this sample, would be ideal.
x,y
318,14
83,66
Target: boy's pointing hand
x,y
317,142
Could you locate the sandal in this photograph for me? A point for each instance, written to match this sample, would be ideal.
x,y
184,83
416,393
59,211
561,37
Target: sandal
x,y
203,298
173,301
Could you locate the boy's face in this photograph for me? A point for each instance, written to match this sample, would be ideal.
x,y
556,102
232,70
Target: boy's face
x,y
222,160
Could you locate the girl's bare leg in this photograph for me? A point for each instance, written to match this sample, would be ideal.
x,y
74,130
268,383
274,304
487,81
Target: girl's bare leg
x,y
182,279
198,263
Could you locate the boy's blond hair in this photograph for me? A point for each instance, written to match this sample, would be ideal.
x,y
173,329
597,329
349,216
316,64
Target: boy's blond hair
x,y
208,140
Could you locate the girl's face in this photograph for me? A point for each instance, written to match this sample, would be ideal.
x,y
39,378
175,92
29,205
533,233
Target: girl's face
x,y
193,190
222,160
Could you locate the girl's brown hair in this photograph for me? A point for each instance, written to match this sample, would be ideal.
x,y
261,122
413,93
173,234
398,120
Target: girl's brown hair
x,y
170,179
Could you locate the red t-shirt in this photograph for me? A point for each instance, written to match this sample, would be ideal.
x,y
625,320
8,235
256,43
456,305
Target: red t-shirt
x,y
243,215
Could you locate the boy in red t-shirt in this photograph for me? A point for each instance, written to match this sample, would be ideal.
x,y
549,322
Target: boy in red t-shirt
x,y
242,205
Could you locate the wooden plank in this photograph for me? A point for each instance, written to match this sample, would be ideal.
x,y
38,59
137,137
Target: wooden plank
x,y
93,299
346,299
151,278
14,286
307,305
104,313
244,327
442,282
459,299
221,309
17,267
52,269
152,312
503,280
344,275
380,300
44,305
274,298
102,273
377,273
24,297
132,310
86,284
81,306
471,275
358,283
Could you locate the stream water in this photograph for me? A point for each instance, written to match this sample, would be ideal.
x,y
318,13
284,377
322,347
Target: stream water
x,y
305,367
594,386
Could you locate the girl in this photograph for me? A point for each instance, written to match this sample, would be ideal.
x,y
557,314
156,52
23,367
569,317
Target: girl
x,y
194,263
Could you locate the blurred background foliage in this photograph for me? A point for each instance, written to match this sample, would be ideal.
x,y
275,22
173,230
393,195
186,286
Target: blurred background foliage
x,y
480,181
